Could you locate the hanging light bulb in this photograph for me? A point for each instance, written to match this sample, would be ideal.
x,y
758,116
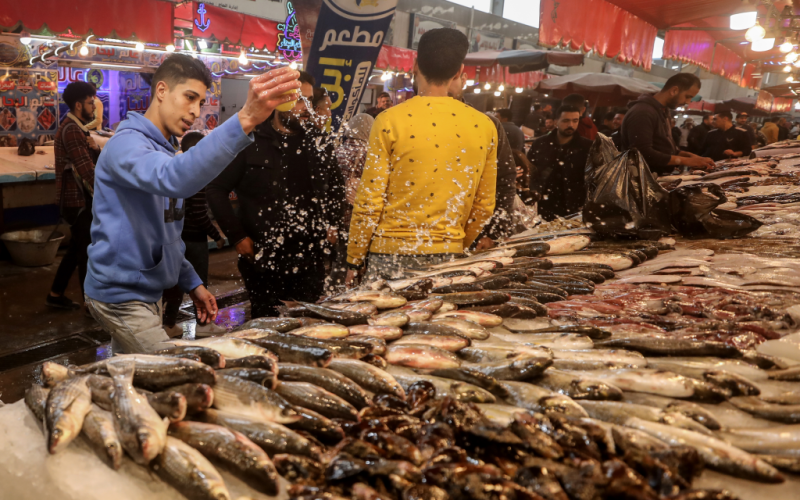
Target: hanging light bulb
x,y
497,94
791,57
170,48
501,87
744,20
786,47
755,33
790,79
762,45
477,90
519,90
25,38
202,44
84,50
242,58
470,83
787,69
385,76
487,86
139,46
293,65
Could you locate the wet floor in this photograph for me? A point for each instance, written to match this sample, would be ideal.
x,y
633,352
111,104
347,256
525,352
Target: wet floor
x,y
31,332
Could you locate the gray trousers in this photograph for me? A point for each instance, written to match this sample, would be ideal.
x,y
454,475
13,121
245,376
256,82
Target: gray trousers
x,y
135,326
390,266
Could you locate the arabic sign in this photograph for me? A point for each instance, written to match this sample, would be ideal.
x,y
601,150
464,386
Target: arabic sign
x,y
266,9
28,103
100,77
421,24
485,40
347,41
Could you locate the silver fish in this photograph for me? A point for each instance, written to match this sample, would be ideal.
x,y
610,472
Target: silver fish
x,y
738,385
775,439
617,413
36,400
381,332
98,428
686,408
156,372
597,359
659,382
389,318
368,376
140,429
483,319
564,341
228,347
430,305
236,395
468,328
189,472
67,405
521,369
450,343
317,399
330,380
482,352
789,414
321,331
539,399
421,356
53,373
618,262
578,387
462,391
367,308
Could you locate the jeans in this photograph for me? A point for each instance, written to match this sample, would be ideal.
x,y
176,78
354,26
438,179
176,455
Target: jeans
x,y
197,255
267,287
390,266
80,221
135,326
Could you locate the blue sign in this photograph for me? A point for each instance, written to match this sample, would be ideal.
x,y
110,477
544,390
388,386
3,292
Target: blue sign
x,y
203,23
347,41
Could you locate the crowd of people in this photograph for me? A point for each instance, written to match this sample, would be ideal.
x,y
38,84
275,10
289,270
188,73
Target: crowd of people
x,y
397,186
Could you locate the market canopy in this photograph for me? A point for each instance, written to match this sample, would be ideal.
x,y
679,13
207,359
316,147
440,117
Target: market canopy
x,y
600,89
520,61
143,20
396,59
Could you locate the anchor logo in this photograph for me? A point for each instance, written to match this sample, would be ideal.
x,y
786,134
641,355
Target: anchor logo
x,y
204,23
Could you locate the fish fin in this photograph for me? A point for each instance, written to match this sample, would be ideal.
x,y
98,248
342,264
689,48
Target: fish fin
x,y
123,369
290,303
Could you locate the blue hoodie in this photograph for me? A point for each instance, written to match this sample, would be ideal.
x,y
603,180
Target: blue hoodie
x,y
139,191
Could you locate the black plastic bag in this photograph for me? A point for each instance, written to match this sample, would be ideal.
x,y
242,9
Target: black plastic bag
x,y
623,199
695,213
26,148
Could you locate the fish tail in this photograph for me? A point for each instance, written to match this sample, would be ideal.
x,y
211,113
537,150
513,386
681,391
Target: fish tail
x,y
124,370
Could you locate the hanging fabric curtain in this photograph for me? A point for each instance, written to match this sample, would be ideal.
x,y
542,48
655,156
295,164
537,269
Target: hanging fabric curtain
x,y
599,26
782,105
689,47
396,59
727,64
233,27
748,80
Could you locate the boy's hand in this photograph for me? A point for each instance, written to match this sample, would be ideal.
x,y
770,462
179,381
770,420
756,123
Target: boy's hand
x,y
264,95
205,303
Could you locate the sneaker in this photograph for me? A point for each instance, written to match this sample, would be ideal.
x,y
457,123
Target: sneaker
x,y
61,302
209,330
175,331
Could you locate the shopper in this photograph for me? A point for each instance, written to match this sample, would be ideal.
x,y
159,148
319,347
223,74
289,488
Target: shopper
x,y
534,122
685,128
697,136
771,130
608,124
783,129
290,195
351,156
383,103
76,155
428,185
646,126
761,139
526,177
197,228
741,122
321,103
727,141
549,125
97,120
516,138
140,189
586,127
560,161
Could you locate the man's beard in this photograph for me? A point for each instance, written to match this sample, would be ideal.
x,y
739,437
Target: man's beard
x,y
86,116
567,132
673,103
292,121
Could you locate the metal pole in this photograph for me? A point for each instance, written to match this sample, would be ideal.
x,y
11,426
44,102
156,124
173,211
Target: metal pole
x,y
471,22
497,7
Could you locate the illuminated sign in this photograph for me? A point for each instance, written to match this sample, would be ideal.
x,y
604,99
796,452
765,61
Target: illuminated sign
x,y
203,23
289,44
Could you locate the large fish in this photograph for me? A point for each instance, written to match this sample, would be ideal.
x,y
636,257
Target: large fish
x,y
483,319
36,400
738,385
189,472
199,397
366,308
563,341
140,429
421,356
452,343
53,373
659,382
67,405
578,387
430,305
277,324
236,395
686,408
503,351
232,449
167,403
775,439
317,425
467,328
381,300
341,316
463,391
789,414
717,454
290,351
343,348
317,399
597,359
208,356
617,261
389,318
321,331
381,332
271,437
519,369
228,347
473,377
328,379
618,413
261,376
156,372
98,428
368,376
664,346
538,399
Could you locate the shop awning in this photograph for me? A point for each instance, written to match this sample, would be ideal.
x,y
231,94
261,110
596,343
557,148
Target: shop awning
x,y
520,61
600,89
234,28
396,59
785,90
142,20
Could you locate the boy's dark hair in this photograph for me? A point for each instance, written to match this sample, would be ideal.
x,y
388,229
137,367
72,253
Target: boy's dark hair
x,y
576,100
610,116
384,94
319,95
684,81
566,108
178,68
305,77
190,139
77,91
440,54
505,114
725,114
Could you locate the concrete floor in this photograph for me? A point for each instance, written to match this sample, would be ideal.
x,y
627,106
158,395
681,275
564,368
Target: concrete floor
x,y
31,332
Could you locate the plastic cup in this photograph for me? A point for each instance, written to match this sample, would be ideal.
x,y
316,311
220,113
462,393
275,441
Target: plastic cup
x,y
287,106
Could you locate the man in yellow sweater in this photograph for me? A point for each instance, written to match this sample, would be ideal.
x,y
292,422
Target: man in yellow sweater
x,y
428,185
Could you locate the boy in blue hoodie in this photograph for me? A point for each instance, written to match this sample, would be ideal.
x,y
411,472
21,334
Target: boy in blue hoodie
x,y
140,187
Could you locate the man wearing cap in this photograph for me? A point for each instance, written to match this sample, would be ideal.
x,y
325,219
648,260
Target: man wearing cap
x,y
741,122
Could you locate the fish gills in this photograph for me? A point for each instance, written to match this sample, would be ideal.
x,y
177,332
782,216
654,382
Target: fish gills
x,y
67,405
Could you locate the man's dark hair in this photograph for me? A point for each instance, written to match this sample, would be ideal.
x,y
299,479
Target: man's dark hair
x,y
77,91
566,108
505,114
178,68
384,94
440,54
537,106
319,95
305,77
725,114
576,100
684,81
190,139
620,112
610,116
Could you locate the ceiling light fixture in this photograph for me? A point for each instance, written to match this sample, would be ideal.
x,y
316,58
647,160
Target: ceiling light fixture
x,y
757,32
762,45
487,86
786,47
202,44
744,20
139,46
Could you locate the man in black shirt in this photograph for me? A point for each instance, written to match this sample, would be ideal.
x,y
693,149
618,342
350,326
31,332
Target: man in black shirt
x,y
741,122
727,141
697,136
560,159
534,122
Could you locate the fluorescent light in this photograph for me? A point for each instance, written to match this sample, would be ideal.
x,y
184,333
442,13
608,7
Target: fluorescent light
x,y
202,44
477,90
470,83
744,20
139,46
25,38
762,45
116,66
497,94
787,69
755,33
519,90
786,47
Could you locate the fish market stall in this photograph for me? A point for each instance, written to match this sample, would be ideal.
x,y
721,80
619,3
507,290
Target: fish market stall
x,y
556,366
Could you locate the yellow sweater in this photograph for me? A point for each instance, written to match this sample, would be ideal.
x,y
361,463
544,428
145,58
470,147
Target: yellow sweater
x,y
428,185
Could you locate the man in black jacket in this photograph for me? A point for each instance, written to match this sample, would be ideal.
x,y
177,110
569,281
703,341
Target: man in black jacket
x,y
289,199
560,159
646,126
741,122
697,136
727,141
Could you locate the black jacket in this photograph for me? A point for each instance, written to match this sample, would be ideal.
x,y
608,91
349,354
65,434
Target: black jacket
x,y
645,128
560,177
289,193
697,138
717,142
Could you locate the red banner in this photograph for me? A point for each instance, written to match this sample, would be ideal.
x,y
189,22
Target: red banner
x,y
764,101
235,28
143,20
748,80
727,64
690,47
782,105
498,74
597,25
396,59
